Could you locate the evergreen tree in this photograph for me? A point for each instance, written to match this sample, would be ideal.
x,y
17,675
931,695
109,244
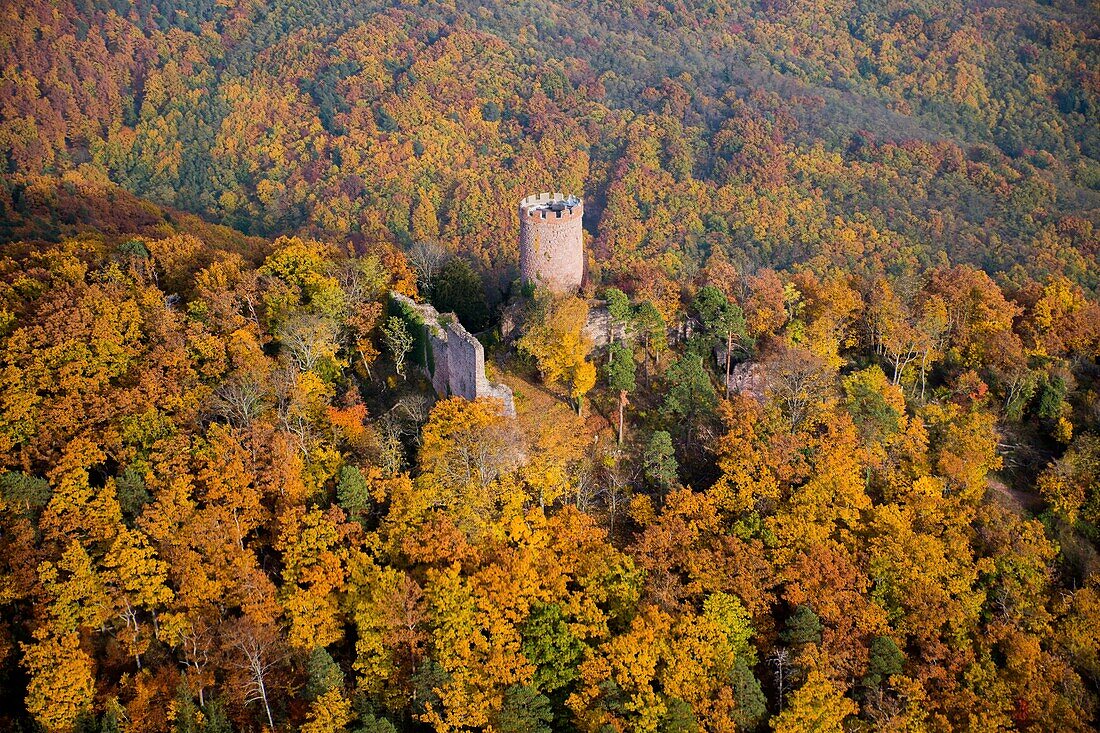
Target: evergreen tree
x,y
652,329
372,724
524,710
689,393
459,290
724,322
619,311
620,374
551,647
132,494
352,493
751,703
678,718
803,627
27,493
886,659
322,674
659,462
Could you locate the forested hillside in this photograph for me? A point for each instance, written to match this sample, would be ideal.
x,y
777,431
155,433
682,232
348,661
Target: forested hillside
x,y
226,505
837,469
851,133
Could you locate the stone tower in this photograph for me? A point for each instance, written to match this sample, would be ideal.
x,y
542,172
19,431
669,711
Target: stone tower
x,y
551,241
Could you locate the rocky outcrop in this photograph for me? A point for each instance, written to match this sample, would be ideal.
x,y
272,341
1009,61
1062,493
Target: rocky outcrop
x,y
599,326
745,378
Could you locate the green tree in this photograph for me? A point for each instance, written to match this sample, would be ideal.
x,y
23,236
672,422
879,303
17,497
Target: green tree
x,y
802,627
322,674
619,310
678,718
29,493
620,374
551,647
459,290
370,723
1052,398
659,462
352,493
886,660
650,325
689,393
523,710
876,406
724,321
132,494
752,706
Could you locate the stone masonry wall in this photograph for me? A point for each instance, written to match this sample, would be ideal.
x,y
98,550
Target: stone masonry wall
x,y
551,243
457,364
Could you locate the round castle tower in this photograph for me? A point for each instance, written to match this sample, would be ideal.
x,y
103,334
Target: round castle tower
x,y
551,241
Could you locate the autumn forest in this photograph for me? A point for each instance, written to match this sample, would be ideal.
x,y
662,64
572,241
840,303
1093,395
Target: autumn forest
x,y
815,447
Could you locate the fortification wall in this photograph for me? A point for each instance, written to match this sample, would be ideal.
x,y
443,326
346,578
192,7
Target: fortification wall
x,y
455,362
551,241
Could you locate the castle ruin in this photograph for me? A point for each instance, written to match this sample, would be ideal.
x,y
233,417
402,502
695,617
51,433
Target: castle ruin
x,y
448,354
551,251
551,241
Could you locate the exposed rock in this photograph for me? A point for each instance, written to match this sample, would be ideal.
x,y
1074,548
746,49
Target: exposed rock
x,y
745,378
599,327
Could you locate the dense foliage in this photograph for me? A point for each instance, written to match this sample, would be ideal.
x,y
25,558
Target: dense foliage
x,y
222,509
837,468
857,133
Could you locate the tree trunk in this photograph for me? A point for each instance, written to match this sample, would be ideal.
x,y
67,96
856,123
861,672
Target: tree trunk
x,y
366,364
622,404
923,374
267,708
729,356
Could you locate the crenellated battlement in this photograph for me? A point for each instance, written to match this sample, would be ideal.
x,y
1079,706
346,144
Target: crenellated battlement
x,y
551,245
546,214
541,198
555,206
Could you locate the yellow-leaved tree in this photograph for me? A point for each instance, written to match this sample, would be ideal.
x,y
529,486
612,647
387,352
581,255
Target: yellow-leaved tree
x,y
61,683
315,557
819,705
555,339
467,449
77,509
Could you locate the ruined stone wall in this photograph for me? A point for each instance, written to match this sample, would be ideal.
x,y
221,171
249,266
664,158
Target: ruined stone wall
x,y
457,360
551,243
